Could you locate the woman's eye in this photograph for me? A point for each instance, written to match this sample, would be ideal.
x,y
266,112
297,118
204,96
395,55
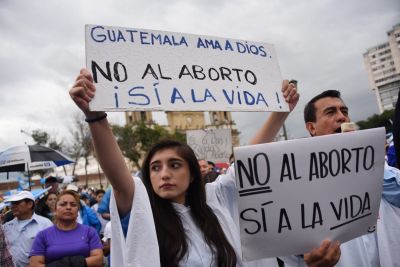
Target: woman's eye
x,y
175,165
155,168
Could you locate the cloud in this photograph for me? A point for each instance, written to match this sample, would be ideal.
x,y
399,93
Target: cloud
x,y
320,43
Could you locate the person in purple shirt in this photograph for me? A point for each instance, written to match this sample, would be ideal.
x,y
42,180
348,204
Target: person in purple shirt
x,y
67,243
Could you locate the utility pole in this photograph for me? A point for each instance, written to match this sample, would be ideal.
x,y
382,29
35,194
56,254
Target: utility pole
x,y
26,133
284,132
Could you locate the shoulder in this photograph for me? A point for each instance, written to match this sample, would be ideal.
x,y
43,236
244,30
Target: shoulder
x,y
85,228
91,232
10,225
42,220
48,231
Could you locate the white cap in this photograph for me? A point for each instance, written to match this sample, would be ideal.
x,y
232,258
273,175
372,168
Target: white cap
x,y
72,187
20,196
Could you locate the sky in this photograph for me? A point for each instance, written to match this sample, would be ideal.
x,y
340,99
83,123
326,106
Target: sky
x,y
320,43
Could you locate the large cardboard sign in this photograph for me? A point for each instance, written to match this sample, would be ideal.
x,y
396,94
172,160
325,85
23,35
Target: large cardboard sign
x,y
213,145
295,194
139,69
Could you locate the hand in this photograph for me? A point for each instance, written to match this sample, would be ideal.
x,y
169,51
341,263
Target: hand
x,y
289,91
83,91
327,254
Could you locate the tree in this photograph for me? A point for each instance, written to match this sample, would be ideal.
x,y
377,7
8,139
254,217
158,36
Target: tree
x,y
127,141
378,120
135,141
43,138
81,143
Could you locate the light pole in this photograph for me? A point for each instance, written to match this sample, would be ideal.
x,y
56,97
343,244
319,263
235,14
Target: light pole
x,y
26,133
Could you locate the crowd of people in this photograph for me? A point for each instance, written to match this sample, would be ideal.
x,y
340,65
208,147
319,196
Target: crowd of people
x,y
62,228
181,211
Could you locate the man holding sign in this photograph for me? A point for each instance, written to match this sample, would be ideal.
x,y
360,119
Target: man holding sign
x,y
327,114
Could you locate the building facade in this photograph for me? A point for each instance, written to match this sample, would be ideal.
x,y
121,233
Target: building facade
x,y
383,67
189,120
134,117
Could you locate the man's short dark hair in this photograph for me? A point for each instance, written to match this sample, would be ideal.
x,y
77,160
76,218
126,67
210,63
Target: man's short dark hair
x,y
309,110
99,191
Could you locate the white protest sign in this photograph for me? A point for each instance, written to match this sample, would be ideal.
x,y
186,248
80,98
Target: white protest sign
x,y
295,194
138,69
213,145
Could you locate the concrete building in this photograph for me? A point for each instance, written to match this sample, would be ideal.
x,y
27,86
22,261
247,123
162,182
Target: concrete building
x,y
383,66
134,117
189,120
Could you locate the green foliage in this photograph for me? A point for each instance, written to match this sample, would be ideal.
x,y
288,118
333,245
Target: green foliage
x,y
135,141
127,141
378,120
81,143
40,137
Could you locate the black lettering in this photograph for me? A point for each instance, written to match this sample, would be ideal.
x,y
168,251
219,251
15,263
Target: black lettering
x,y
255,164
366,203
250,73
264,217
225,74
294,167
313,166
149,70
372,157
316,216
161,75
248,172
237,71
357,149
331,162
184,71
117,74
285,171
346,156
323,159
337,211
198,70
256,223
283,216
96,67
353,205
210,76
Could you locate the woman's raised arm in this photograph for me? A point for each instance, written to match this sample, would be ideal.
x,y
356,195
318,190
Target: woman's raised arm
x,y
106,148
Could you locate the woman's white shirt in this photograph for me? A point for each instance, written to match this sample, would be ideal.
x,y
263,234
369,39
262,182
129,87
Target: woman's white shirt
x,y
141,239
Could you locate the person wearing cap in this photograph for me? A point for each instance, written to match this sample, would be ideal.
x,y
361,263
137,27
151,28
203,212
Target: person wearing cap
x,y
325,114
21,231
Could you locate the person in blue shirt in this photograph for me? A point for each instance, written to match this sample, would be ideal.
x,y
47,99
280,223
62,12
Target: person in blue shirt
x,y
21,231
104,205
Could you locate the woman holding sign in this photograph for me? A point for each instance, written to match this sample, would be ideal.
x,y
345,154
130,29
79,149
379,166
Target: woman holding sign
x,y
171,215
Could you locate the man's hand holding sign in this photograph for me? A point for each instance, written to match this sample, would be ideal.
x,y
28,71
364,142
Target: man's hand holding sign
x,y
294,194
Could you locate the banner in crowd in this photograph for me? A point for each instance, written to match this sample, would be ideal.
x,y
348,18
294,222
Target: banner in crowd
x,y
139,69
212,145
295,194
